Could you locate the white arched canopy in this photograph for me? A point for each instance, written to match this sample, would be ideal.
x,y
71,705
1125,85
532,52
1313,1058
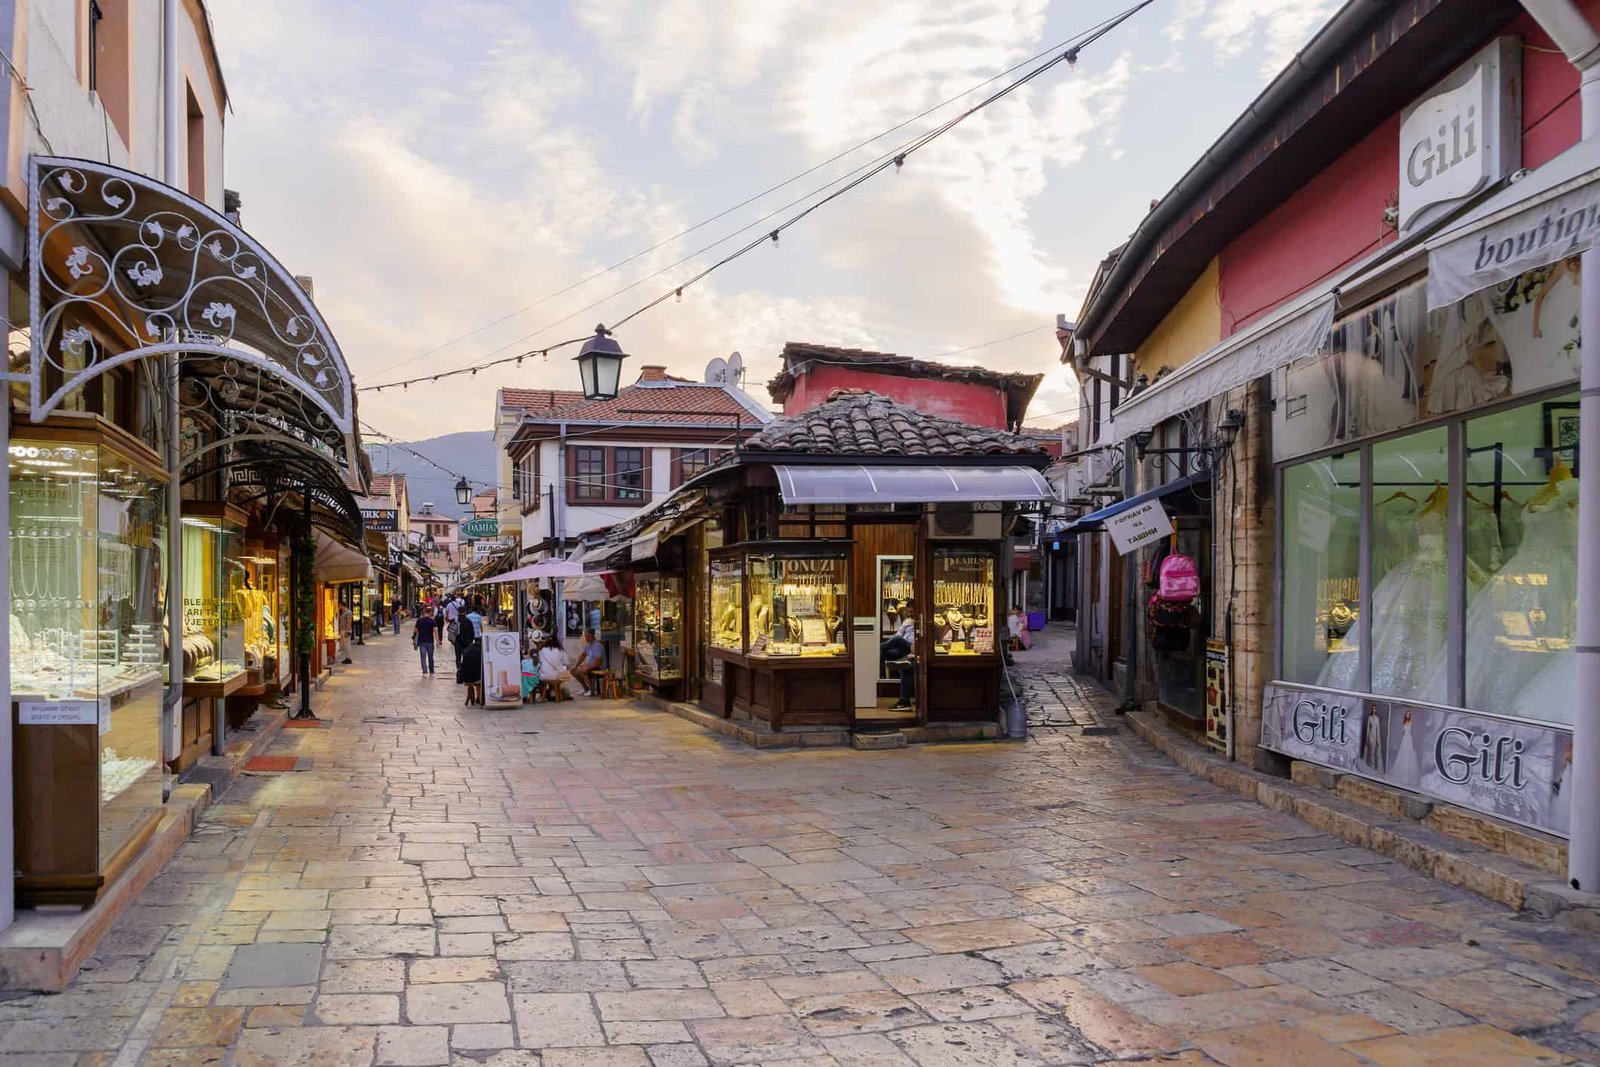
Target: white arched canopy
x,y
123,267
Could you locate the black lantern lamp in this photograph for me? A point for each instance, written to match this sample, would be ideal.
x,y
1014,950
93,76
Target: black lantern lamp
x,y
1228,429
600,365
428,543
463,492
1141,441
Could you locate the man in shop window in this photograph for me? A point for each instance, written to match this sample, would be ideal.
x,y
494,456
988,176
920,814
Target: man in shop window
x,y
896,652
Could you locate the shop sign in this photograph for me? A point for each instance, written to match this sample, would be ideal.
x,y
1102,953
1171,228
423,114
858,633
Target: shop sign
x,y
1549,231
1137,527
381,520
502,670
59,712
1218,706
480,527
1514,770
1463,136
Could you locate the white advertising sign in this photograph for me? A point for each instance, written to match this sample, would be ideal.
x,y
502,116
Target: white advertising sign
x,y
1512,769
1139,526
502,670
58,712
1462,136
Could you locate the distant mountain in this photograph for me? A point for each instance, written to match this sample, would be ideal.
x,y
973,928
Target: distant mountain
x,y
470,453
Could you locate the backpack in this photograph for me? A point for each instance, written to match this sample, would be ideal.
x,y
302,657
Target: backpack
x,y
1164,614
1180,579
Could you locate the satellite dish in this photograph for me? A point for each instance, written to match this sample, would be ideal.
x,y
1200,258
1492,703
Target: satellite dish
x,y
735,369
717,371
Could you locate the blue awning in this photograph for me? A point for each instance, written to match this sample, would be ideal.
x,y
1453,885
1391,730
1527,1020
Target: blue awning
x,y
1095,519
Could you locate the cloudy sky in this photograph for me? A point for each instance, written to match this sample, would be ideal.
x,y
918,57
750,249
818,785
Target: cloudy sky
x,y
443,167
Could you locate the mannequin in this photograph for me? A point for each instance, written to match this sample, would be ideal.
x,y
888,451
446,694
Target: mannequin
x,y
760,616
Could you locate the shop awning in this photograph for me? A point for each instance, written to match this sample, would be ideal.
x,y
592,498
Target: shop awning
x,y
335,562
1300,329
550,568
166,273
1552,213
1095,519
860,484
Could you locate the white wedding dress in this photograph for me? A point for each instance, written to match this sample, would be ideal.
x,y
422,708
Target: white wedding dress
x,y
1533,595
1410,608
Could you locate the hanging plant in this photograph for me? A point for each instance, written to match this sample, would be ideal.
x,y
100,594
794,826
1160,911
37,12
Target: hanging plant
x,y
305,599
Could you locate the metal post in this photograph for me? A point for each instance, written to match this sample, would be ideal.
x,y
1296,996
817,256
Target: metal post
x,y
8,839
1583,862
172,713
306,539
1577,39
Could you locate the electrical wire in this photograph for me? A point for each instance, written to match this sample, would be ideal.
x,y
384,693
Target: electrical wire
x,y
895,160
746,202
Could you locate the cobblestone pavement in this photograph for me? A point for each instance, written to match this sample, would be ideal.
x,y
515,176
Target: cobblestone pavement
x,y
599,884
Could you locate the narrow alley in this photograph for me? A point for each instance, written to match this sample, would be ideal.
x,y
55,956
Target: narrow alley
x,y
597,883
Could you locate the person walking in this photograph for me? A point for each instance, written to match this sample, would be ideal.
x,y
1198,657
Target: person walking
x,y
466,633
394,615
422,638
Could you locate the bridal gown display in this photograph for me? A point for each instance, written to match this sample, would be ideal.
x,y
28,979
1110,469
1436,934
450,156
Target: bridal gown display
x,y
1406,765
1410,607
1530,602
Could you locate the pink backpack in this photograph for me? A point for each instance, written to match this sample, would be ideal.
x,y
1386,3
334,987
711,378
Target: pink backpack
x,y
1180,578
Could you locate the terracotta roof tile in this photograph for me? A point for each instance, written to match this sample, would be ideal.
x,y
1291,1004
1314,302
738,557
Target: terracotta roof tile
x,y
535,401
657,403
853,422
798,356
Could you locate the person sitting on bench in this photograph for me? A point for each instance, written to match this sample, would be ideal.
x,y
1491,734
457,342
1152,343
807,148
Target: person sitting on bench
x,y
896,652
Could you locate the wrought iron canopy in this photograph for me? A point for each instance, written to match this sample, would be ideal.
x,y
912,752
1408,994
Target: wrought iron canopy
x,y
124,267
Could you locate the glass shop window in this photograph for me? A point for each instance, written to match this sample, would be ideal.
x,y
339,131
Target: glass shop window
x,y
1522,541
1410,571
1322,550
1518,565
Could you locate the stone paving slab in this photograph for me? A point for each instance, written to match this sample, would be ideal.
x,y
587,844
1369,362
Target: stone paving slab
x,y
602,883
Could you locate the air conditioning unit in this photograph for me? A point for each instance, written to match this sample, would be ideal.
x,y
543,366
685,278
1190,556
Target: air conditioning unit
x,y
959,520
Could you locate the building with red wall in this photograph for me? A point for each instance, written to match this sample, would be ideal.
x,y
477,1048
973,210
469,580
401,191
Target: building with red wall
x,y
1327,396
975,395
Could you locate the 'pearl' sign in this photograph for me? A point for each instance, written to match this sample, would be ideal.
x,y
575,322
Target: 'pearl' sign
x,y
1463,135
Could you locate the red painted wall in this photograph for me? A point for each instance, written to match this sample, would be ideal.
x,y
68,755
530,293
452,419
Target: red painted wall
x,y
1337,217
980,405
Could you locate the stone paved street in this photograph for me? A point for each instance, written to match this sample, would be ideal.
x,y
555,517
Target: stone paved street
x,y
600,884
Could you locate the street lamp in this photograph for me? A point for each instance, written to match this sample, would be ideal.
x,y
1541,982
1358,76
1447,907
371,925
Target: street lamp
x,y
463,492
428,543
600,365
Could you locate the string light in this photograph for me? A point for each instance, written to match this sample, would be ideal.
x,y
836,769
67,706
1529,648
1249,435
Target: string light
x,y
1070,57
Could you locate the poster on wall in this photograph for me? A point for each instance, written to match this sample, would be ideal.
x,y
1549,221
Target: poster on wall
x,y
1218,705
1515,770
502,670
1394,363
1138,526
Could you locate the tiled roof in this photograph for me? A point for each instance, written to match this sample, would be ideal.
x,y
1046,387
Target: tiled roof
x,y
538,401
800,355
385,484
664,401
854,422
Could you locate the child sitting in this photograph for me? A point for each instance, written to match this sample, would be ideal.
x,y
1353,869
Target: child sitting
x,y
530,678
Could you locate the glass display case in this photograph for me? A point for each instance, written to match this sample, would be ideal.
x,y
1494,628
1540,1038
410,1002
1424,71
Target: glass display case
x,y
963,617
658,627
797,604
87,543
727,602
260,611
214,570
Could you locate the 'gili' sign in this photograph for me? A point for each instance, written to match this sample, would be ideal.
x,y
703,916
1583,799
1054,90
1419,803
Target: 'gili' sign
x,y
1466,133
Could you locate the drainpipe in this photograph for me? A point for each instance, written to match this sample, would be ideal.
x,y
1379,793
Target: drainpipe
x,y
171,91
1574,35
